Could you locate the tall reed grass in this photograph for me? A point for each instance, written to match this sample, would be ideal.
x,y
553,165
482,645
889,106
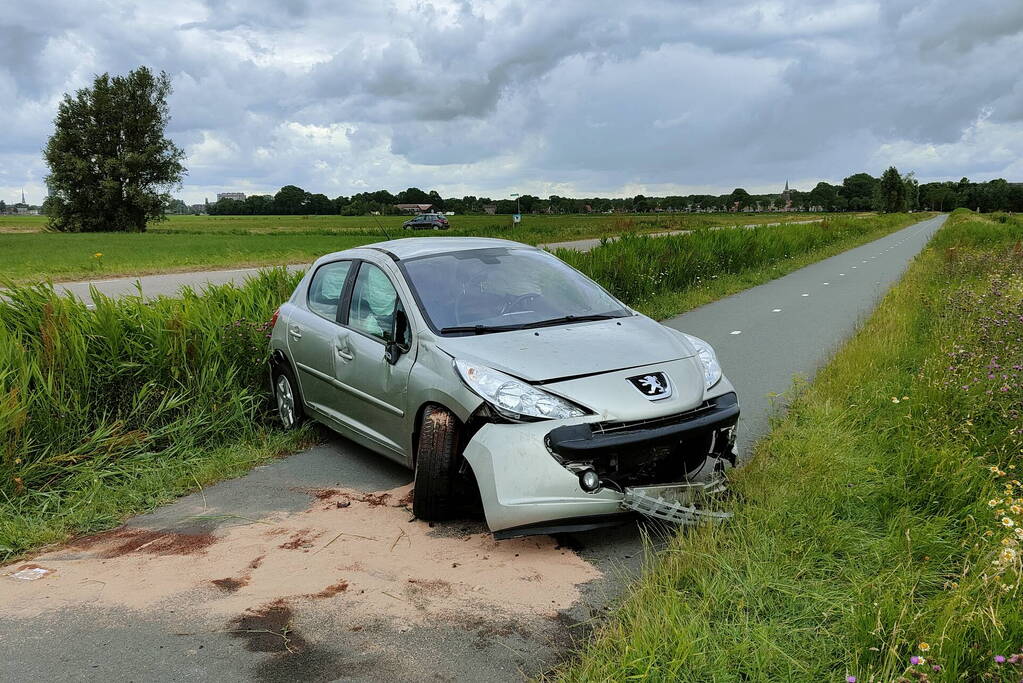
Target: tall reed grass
x,y
636,268
88,397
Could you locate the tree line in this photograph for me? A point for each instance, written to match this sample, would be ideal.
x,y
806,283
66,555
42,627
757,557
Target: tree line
x,y
890,192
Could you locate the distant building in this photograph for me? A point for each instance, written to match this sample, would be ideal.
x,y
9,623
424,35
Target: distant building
x,y
786,198
240,196
491,209
413,208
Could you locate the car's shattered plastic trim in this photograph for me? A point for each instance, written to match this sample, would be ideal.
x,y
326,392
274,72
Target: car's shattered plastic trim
x,y
676,503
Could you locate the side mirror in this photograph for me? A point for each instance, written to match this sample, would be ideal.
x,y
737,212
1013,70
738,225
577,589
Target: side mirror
x,y
397,344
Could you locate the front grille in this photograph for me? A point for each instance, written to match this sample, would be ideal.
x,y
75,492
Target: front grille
x,y
611,427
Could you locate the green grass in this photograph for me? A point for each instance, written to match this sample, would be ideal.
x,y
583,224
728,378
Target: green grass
x,y
184,243
862,525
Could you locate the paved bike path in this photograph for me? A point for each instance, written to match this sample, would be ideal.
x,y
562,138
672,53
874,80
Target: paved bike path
x,y
75,624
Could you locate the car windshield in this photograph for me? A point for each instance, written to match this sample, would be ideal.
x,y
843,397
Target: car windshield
x,y
491,290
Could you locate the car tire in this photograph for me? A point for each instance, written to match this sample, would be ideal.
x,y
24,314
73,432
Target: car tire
x,y
436,465
287,398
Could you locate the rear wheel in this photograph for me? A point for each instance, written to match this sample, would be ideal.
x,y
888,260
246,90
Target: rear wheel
x,y
289,403
436,465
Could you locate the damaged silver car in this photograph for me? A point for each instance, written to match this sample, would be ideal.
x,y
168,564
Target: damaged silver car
x,y
491,366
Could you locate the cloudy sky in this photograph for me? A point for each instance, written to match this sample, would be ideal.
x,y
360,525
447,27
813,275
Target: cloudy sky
x,y
582,98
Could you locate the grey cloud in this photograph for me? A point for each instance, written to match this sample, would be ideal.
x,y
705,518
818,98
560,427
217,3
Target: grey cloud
x,y
592,95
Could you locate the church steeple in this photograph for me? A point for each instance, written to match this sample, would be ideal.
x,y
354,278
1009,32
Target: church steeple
x,y
22,195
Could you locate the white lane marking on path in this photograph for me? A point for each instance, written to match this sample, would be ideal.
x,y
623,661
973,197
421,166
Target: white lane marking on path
x,y
827,283
736,332
775,310
842,274
806,295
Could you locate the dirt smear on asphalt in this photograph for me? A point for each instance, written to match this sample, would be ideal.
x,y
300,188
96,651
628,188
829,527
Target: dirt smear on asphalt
x,y
349,550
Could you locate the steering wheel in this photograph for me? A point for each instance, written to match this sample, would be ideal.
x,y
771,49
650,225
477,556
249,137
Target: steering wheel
x,y
517,301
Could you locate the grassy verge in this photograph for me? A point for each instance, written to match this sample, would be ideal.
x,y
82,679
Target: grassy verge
x,y
186,243
878,521
110,411
663,276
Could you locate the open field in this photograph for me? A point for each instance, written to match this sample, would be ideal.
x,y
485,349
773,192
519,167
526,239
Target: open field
x,y
880,519
184,243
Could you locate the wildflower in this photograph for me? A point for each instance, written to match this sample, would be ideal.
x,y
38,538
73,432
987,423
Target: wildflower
x,y
850,679
1007,555
924,647
936,667
895,399
1016,509
97,255
1008,523
905,398
993,502
994,468
914,660
999,659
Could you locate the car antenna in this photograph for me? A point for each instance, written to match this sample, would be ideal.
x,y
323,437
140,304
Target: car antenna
x,y
381,226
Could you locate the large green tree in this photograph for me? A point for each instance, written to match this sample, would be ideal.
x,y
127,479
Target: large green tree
x,y
891,196
111,164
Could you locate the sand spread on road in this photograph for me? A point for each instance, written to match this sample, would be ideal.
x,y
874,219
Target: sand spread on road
x,y
360,551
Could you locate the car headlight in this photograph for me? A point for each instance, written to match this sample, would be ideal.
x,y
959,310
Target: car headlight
x,y
514,398
709,360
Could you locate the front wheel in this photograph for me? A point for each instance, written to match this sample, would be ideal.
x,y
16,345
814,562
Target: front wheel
x,y
289,404
436,465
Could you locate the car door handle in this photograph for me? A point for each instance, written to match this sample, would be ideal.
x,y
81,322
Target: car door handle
x,y
295,332
342,350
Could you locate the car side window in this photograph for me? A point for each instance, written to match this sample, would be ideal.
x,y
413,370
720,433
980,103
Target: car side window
x,y
326,287
374,303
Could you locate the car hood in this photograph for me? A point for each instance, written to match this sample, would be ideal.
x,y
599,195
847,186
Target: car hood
x,y
563,351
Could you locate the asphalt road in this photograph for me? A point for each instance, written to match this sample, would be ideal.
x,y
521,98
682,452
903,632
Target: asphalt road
x,y
169,284
89,619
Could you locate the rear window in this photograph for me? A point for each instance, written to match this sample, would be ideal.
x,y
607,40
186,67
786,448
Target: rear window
x,y
325,288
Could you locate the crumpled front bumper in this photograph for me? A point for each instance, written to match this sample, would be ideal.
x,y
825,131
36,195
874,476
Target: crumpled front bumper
x,y
526,489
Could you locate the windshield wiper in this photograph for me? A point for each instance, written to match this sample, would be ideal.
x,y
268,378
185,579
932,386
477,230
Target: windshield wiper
x,y
570,319
480,329
488,329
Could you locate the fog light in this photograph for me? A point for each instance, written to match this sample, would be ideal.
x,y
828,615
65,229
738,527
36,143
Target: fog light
x,y
589,481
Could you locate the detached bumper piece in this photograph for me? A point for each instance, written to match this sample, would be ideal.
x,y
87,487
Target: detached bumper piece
x,y
677,503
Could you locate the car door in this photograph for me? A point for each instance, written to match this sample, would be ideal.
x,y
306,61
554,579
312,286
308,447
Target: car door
x,y
312,329
376,388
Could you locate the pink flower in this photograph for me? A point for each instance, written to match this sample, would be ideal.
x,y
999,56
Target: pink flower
x,y
999,659
914,660
850,679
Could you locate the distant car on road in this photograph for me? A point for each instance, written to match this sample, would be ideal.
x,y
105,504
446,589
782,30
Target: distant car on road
x,y
427,221
492,364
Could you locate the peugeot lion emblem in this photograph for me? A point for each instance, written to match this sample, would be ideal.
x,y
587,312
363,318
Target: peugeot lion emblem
x,y
653,385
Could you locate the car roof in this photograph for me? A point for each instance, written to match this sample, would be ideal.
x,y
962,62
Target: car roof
x,y
413,247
